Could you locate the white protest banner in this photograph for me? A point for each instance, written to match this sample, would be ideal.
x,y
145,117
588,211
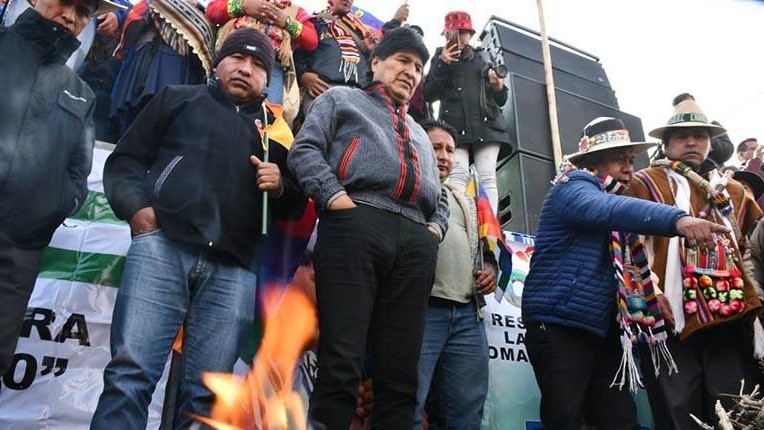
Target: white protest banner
x,y
513,395
57,372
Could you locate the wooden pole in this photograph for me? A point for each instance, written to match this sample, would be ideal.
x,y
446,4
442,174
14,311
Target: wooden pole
x,y
550,95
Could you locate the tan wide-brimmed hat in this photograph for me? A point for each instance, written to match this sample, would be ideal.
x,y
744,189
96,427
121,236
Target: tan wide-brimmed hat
x,y
605,133
688,114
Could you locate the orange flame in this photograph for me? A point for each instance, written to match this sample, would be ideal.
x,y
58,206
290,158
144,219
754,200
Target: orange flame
x,y
264,398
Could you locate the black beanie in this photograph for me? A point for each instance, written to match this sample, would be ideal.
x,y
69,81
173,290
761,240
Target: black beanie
x,y
251,42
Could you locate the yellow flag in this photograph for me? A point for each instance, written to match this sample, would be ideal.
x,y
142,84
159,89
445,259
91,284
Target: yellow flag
x,y
279,130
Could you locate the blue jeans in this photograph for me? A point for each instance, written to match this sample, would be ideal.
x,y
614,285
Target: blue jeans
x,y
164,284
454,360
275,89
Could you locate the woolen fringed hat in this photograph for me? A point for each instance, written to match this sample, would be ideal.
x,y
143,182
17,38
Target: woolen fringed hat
x,y
250,42
605,133
688,114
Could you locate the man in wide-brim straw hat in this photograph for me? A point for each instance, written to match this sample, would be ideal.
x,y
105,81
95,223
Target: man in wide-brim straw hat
x,y
687,115
705,295
577,313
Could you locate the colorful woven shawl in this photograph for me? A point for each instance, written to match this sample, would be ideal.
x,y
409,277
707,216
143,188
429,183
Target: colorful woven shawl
x,y
639,314
182,25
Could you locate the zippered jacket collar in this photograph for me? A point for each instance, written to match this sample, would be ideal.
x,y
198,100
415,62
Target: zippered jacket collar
x,y
52,41
379,90
252,107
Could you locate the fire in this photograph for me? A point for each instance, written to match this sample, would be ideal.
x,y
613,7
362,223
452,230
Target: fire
x,y
264,398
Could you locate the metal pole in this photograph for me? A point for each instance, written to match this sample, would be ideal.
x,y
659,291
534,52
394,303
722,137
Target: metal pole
x,y
550,95
266,159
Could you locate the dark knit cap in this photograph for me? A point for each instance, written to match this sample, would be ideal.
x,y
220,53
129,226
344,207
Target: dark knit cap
x,y
251,42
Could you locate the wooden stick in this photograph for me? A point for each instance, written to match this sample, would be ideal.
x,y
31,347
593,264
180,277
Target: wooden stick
x,y
550,95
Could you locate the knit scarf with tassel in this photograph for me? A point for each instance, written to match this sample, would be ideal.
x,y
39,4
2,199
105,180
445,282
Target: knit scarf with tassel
x,y
340,28
639,314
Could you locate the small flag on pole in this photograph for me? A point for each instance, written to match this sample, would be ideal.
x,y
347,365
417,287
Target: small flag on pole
x,y
489,232
367,18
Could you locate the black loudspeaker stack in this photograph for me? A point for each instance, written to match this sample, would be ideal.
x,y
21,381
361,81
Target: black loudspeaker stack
x,y
583,92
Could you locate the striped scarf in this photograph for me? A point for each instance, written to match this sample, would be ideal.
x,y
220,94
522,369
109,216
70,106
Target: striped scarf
x,y
184,28
340,28
639,314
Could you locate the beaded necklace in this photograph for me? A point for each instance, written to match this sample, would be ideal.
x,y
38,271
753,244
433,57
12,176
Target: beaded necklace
x,y
712,284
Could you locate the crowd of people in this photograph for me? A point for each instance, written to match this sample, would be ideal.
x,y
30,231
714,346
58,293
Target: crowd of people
x,y
230,117
680,296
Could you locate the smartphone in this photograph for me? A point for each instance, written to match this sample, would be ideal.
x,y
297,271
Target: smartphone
x,y
452,37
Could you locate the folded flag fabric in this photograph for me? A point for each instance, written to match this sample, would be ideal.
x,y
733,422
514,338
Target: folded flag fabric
x,y
281,251
279,255
277,128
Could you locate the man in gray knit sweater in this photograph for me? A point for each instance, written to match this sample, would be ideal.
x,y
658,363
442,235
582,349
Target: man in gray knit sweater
x,y
372,173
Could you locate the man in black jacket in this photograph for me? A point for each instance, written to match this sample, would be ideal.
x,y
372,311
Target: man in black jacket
x,y
189,176
46,146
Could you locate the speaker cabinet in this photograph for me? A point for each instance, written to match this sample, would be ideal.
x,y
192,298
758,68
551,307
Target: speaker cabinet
x,y
582,92
574,70
523,180
527,116
562,80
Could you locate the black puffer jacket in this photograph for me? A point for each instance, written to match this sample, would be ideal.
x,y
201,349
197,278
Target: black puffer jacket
x,y
46,131
467,100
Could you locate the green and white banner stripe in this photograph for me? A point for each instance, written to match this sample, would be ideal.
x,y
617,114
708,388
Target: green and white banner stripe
x,y
88,247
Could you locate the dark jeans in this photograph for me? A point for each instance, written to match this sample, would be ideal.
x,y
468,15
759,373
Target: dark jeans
x,y
711,362
573,366
374,272
18,272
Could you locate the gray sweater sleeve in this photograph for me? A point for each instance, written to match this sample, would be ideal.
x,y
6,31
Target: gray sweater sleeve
x,y
439,218
308,157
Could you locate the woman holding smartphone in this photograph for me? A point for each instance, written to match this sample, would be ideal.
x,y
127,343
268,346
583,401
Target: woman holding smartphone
x,y
471,91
